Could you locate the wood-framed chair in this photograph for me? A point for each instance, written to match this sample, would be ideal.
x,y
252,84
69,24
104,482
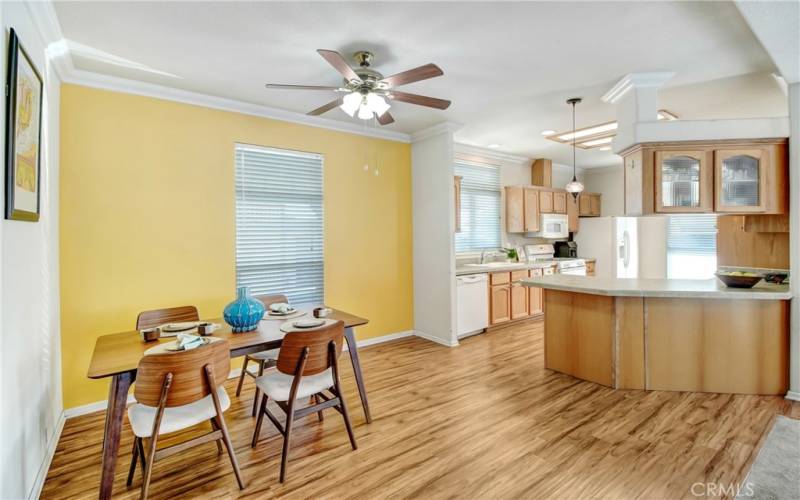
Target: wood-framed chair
x,y
157,317
307,367
264,359
175,391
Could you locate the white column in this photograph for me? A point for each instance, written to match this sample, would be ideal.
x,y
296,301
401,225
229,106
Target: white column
x,y
636,98
794,239
433,200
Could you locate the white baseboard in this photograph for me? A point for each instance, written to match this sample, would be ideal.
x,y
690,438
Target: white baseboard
x,y
432,338
52,444
101,405
793,395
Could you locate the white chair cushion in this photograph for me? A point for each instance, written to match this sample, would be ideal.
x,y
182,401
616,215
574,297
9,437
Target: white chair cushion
x,y
176,418
278,385
265,355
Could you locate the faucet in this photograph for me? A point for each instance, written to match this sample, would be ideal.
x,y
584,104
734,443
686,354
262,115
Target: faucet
x,y
483,256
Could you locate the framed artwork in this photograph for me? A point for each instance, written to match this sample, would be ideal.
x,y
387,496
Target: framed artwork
x,y
23,134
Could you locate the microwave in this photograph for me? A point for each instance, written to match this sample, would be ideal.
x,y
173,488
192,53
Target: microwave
x,y
553,226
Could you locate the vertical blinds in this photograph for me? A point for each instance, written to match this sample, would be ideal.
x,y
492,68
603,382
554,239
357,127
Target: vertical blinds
x,y
279,223
480,207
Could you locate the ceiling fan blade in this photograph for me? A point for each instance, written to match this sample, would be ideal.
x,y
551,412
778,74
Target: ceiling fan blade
x,y
414,75
336,60
326,108
299,87
420,100
385,119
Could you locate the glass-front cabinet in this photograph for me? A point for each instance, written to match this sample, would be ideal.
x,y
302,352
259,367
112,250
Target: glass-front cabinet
x,y
741,179
683,181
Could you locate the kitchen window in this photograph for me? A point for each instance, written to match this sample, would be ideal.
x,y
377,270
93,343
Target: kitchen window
x,y
279,222
691,246
480,207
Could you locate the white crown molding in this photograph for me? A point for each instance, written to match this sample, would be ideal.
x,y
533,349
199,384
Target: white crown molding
x,y
489,154
45,19
434,130
136,87
636,80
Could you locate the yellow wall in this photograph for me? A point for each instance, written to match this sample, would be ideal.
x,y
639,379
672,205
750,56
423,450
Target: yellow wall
x,y
147,218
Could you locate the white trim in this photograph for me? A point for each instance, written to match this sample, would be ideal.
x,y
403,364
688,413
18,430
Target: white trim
x,y
489,154
384,338
45,18
793,395
636,80
92,407
427,336
44,468
116,84
434,130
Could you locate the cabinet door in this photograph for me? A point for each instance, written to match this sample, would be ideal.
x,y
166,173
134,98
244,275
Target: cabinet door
x,y
514,210
590,269
546,202
519,301
594,204
572,213
457,192
740,180
560,203
535,295
531,203
499,304
584,205
683,181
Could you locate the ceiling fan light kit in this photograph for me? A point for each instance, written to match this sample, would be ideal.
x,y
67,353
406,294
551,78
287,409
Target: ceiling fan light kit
x,y
367,90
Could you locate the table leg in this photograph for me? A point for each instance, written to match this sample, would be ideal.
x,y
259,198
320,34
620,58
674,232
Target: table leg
x,y
352,348
117,398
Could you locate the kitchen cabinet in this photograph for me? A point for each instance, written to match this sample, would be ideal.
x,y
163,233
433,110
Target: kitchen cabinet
x,y
546,202
683,181
457,192
572,213
535,295
499,304
531,209
515,209
589,204
741,176
519,295
559,202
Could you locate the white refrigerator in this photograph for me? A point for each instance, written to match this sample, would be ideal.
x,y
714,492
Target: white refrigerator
x,y
625,247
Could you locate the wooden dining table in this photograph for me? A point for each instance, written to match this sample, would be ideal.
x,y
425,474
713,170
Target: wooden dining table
x,y
117,356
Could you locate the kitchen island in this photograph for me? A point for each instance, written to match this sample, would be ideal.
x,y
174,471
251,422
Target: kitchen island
x,y
658,334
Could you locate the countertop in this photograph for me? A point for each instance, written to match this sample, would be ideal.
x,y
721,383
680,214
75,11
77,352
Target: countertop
x,y
701,289
512,266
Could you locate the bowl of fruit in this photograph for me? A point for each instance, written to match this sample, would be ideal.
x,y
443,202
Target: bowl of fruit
x,y
739,279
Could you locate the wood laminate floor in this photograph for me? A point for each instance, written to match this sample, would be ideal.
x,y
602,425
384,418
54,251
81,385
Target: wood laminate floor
x,y
483,420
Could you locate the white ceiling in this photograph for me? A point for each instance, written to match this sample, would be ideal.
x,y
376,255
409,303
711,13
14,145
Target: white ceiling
x,y
508,67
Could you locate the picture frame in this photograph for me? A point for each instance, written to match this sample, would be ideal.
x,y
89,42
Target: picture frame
x,y
24,99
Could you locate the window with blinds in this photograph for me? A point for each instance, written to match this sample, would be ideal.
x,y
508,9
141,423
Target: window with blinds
x,y
480,207
279,223
691,246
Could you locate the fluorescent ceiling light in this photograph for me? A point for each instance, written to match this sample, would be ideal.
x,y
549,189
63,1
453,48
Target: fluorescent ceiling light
x,y
586,132
548,132
597,142
605,148
493,146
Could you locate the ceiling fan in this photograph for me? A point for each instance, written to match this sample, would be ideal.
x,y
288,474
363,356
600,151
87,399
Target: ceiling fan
x,y
366,90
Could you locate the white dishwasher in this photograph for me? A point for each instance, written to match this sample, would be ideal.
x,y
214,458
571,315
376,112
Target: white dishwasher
x,y
473,304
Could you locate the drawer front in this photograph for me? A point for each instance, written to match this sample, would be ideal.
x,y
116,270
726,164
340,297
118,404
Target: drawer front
x,y
500,278
519,275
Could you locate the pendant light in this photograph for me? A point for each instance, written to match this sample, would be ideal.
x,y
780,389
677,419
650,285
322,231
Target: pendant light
x,y
574,186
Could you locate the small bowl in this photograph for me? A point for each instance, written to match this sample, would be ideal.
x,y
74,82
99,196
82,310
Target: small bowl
x,y
777,278
206,328
150,334
321,312
736,281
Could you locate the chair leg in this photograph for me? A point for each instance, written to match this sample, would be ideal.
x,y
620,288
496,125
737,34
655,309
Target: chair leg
x,y
346,417
241,376
319,413
227,440
287,438
257,396
215,427
134,458
141,452
148,469
261,414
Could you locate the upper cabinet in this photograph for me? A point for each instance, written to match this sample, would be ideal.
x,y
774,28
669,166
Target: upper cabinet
x,y
706,177
589,204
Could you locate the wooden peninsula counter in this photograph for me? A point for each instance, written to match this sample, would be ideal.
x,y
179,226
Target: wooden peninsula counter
x,y
673,335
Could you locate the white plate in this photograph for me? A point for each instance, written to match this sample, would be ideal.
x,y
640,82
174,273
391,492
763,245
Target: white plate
x,y
173,346
277,314
179,327
308,323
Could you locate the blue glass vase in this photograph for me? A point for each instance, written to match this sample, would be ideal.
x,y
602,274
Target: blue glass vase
x,y
244,313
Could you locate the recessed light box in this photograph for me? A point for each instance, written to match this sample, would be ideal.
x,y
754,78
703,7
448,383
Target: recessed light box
x,y
597,135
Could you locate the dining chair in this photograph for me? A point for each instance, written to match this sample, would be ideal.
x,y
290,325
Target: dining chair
x,y
307,366
264,359
175,391
157,317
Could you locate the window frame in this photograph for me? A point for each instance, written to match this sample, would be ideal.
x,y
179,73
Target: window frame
x,y
499,191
